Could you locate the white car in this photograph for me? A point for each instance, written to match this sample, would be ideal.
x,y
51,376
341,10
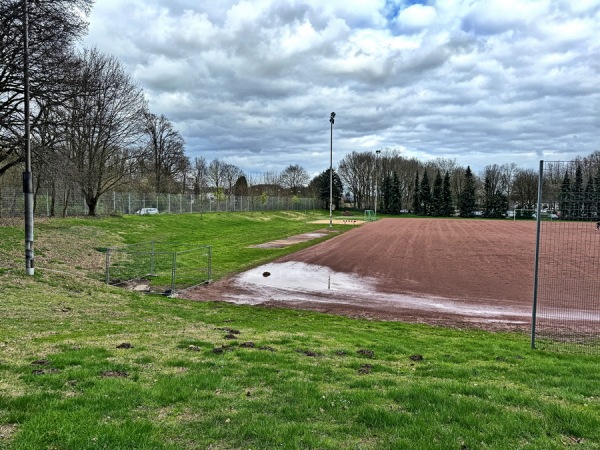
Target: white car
x,y
144,211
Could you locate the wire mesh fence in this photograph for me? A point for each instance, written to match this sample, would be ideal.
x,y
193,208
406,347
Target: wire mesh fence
x,y
158,267
566,312
72,203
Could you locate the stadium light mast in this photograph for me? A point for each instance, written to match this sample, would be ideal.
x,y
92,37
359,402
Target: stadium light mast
x,y
27,176
331,121
377,152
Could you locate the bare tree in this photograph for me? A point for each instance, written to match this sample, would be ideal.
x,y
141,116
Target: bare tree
x,y
164,150
105,125
293,178
231,173
54,26
215,173
357,171
508,172
200,175
525,188
271,182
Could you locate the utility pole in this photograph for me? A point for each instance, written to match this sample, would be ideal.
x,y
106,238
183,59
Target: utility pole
x,y
27,176
331,121
377,152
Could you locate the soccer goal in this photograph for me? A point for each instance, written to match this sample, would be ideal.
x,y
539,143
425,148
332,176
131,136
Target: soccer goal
x,y
369,214
524,214
159,267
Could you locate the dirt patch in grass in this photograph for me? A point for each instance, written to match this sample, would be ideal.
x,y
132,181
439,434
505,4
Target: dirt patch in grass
x,y
7,431
297,239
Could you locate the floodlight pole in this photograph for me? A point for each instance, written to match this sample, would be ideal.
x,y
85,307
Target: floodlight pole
x,y
331,121
377,152
27,175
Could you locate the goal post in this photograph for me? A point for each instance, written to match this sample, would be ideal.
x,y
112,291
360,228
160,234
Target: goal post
x,y
369,214
524,214
531,214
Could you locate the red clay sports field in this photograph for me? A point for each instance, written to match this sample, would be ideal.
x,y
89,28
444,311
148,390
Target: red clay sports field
x,y
453,272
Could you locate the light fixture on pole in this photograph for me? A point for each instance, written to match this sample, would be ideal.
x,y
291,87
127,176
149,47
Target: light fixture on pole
x,y
377,152
331,121
27,176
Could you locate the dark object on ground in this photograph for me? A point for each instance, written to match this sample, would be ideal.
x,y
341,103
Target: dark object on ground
x,y
365,352
365,369
114,374
125,345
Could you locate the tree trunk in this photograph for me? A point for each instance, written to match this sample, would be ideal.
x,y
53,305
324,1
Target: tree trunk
x,y
91,202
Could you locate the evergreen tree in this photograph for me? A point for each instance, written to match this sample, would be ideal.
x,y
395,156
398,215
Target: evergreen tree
x,y
565,197
416,197
597,193
577,194
488,197
447,207
425,195
437,200
588,199
499,205
467,202
337,189
386,194
396,198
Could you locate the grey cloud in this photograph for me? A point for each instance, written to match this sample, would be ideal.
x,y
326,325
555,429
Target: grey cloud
x,y
468,86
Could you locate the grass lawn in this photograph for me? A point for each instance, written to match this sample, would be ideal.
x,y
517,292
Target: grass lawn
x,y
84,365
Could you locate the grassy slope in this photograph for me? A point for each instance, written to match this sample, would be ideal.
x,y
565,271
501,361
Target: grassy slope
x,y
318,382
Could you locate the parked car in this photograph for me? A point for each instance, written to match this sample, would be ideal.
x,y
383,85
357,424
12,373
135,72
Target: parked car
x,y
144,211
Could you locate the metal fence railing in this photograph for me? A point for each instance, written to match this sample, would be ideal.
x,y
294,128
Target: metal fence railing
x,y
72,203
566,304
158,267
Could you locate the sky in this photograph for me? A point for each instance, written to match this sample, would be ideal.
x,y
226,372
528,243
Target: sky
x,y
253,82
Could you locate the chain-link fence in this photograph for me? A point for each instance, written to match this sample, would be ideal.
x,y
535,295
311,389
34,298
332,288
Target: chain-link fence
x,y
158,267
72,203
566,311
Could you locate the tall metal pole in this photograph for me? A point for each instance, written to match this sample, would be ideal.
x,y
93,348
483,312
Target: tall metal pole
x,y
27,176
537,255
377,152
331,121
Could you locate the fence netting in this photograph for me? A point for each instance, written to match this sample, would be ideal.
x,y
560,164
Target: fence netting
x,y
72,203
158,267
566,315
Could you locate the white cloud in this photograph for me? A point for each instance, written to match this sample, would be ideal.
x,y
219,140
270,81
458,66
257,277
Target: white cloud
x,y
416,17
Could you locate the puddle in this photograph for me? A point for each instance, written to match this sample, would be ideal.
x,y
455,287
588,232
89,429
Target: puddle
x,y
300,282
301,277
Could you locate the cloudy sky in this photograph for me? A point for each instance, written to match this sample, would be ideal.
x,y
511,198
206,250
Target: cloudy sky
x,y
253,82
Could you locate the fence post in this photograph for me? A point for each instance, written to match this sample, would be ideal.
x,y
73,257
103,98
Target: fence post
x,y
107,268
209,271
173,273
537,255
152,260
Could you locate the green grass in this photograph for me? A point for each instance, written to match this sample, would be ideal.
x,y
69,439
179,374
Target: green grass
x,y
289,379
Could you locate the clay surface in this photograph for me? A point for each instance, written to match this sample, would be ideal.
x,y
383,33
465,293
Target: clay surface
x,y
452,272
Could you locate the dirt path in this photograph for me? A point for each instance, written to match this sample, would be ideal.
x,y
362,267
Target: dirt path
x,y
439,271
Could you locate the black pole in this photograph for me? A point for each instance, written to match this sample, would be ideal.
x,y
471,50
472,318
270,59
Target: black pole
x,y
331,121
27,176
